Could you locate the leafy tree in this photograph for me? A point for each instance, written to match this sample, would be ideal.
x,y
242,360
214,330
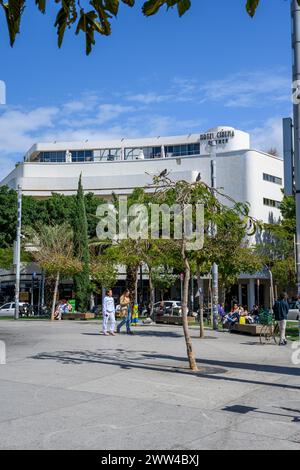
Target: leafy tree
x,y
96,19
163,278
8,216
53,210
228,248
276,246
6,258
104,272
52,249
81,251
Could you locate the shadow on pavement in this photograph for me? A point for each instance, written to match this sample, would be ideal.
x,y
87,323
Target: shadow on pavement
x,y
147,361
284,370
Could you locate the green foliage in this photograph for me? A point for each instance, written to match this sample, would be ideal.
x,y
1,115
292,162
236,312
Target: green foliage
x,y
54,210
284,273
276,246
52,248
81,251
104,273
163,278
96,19
6,258
8,216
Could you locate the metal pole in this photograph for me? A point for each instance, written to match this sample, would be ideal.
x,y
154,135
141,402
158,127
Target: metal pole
x,y
192,294
215,269
18,254
295,10
258,288
181,287
43,289
141,288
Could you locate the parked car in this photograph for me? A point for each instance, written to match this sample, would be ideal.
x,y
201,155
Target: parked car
x,y
171,307
294,311
8,309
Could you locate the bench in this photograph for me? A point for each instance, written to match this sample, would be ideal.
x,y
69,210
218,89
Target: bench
x,y
250,329
78,316
173,320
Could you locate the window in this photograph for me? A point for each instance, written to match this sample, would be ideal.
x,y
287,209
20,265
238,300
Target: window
x,y
272,179
52,157
107,155
82,155
6,306
152,152
271,203
140,153
182,150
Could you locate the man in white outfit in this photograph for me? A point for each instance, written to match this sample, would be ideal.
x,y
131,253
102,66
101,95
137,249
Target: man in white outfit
x,y
108,312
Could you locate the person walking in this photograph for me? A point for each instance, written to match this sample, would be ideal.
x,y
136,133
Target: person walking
x,y
108,312
126,312
281,311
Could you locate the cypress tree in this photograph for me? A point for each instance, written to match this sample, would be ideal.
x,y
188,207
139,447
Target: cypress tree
x,y
81,252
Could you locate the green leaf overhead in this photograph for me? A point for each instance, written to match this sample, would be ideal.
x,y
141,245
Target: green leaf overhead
x,y
94,16
252,6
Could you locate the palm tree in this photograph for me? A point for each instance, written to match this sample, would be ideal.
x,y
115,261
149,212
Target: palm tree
x,y
51,247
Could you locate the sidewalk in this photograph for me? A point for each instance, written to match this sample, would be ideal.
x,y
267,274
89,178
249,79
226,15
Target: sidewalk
x,y
67,387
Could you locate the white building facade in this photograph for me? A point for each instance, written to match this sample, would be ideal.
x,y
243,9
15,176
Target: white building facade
x,y
119,166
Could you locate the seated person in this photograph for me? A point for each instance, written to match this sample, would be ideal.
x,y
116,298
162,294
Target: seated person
x,y
162,308
232,317
248,317
255,314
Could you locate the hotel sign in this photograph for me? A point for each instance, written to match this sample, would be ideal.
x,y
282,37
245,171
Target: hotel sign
x,y
220,137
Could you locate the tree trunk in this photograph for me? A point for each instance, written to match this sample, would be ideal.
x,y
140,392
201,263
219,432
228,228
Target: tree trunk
x,y
201,294
152,292
132,282
188,340
55,295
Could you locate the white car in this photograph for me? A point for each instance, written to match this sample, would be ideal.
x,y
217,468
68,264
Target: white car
x,y
8,310
171,307
294,311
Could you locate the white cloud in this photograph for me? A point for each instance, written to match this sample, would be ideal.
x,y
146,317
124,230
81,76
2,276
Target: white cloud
x,y
251,89
148,98
90,116
268,136
239,90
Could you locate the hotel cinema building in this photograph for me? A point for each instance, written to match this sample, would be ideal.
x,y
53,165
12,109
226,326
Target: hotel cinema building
x,y
119,166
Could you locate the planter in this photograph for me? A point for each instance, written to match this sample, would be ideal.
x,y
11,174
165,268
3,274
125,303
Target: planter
x,y
78,316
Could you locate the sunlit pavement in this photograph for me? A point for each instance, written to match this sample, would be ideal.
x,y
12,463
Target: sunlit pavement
x,y
65,386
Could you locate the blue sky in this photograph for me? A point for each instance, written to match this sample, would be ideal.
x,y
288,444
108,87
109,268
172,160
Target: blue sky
x,y
154,76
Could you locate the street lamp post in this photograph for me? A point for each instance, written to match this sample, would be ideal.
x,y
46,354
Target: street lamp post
x,y
17,254
295,10
215,268
296,84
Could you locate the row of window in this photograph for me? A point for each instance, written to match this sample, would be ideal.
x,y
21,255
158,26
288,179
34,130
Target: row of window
x,y
115,154
272,179
52,156
272,203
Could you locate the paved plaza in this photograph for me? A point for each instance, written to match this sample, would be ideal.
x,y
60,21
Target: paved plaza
x,y
65,386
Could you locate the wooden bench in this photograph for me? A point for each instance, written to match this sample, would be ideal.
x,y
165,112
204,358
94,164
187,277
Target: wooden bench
x,y
253,329
78,316
173,320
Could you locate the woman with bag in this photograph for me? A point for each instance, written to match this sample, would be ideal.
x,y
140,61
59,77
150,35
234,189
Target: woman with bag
x,y
125,312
